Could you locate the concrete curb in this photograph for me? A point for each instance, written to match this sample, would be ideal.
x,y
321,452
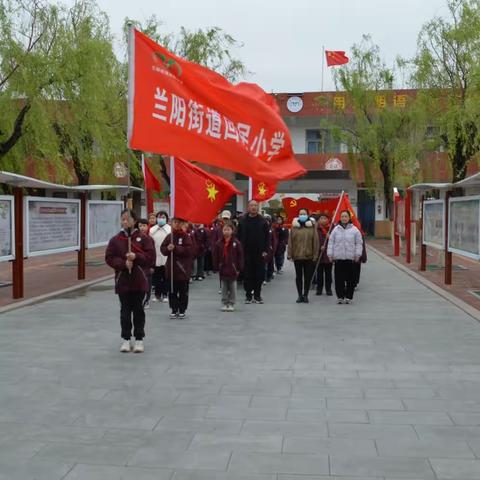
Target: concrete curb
x,y
464,306
48,296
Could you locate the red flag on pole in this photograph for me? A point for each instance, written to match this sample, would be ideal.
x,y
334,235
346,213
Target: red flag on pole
x,y
196,195
336,57
180,108
151,183
261,191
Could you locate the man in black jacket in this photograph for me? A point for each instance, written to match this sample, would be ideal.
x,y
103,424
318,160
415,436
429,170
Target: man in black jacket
x,y
253,233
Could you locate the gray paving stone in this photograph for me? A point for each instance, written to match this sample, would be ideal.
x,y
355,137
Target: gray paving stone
x,y
366,431
200,426
254,427
400,393
439,405
316,415
409,418
329,446
364,404
381,466
102,472
278,463
34,470
272,413
438,431
467,419
239,443
211,475
433,447
448,469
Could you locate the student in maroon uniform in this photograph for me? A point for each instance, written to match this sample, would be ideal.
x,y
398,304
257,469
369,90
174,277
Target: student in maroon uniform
x,y
178,248
281,233
129,253
324,270
201,242
228,260
143,226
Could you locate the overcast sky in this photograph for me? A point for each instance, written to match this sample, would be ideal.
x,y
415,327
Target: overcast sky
x,y
283,39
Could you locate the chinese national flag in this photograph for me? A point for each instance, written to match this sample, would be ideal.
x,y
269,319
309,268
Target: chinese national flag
x,y
336,57
197,196
182,109
261,191
150,180
346,205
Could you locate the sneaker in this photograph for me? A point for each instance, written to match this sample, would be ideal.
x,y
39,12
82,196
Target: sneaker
x,y
264,282
199,279
258,300
348,301
155,299
279,272
146,305
165,299
248,301
219,292
126,347
340,301
181,316
225,308
299,300
318,292
329,293
305,299
138,348
173,315
230,308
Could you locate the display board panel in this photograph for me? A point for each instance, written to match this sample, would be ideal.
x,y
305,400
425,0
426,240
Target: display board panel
x,y
7,228
434,223
103,221
464,226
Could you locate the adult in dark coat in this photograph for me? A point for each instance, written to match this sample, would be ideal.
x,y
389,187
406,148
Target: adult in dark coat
x,y
201,247
254,237
272,246
178,248
130,254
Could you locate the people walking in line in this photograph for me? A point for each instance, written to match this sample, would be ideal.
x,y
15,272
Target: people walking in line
x,y
281,233
178,248
345,249
129,253
253,233
324,269
272,246
159,232
303,249
228,260
143,226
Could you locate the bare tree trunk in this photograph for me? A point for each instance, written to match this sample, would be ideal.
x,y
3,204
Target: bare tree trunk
x,y
17,132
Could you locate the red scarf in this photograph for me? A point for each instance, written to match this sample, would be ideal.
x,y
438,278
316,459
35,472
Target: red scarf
x,y
324,228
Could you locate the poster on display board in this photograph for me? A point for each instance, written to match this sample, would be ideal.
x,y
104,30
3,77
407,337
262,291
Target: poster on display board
x,y
7,228
464,226
103,222
400,218
52,225
434,223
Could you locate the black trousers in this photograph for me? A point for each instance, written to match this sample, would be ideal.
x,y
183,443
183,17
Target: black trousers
x,y
344,278
269,269
358,269
304,272
160,282
253,275
148,295
279,260
200,271
131,304
324,277
208,261
179,297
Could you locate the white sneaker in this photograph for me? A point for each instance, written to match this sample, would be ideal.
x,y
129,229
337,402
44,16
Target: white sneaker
x,y
146,305
138,348
340,301
225,308
219,292
126,347
173,315
348,301
264,282
181,316
230,308
154,299
165,300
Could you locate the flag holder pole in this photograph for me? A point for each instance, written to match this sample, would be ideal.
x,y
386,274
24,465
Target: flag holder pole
x,y
323,64
322,248
172,213
130,95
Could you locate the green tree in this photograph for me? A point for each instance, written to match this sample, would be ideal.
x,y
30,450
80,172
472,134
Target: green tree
x,y
446,70
379,135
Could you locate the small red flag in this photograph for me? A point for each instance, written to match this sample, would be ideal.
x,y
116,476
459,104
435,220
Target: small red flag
x,y
197,196
261,191
336,57
151,182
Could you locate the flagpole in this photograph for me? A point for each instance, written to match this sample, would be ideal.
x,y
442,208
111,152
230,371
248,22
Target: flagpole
x,y
322,249
130,95
323,63
172,215
250,188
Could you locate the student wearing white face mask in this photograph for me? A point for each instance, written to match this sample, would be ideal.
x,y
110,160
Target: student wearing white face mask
x,y
159,232
303,249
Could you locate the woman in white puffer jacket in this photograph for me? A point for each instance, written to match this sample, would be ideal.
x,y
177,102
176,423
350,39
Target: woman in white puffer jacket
x,y
345,249
159,232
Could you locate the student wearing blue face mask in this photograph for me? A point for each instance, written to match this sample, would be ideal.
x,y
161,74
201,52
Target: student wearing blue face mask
x,y
159,232
303,249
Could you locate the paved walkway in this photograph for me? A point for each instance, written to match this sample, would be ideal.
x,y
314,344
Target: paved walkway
x,y
388,388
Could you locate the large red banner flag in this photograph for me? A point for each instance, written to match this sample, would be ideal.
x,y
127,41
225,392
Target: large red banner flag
x,y
150,181
180,108
196,195
261,191
336,57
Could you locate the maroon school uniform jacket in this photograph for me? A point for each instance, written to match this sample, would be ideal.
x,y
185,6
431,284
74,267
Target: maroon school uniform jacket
x,y
182,256
115,256
230,265
281,234
322,236
201,241
272,244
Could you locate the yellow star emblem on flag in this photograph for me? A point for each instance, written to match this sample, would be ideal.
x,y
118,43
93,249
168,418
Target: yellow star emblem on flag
x,y
262,189
211,190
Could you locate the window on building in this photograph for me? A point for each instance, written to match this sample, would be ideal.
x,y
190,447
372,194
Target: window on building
x,y
322,141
